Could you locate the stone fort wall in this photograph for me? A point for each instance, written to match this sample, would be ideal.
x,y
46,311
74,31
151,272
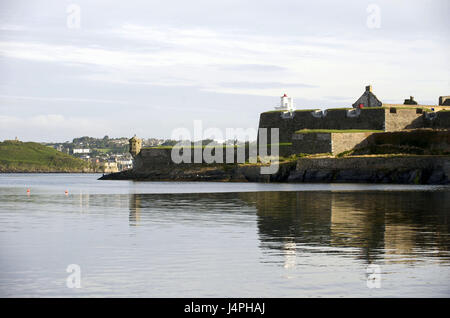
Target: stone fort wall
x,y
342,119
335,143
397,118
150,159
438,120
381,118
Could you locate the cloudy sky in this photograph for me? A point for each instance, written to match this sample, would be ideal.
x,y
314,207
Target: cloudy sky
x,y
146,67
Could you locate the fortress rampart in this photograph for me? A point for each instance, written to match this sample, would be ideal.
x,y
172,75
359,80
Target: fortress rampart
x,y
438,120
375,118
372,142
334,143
336,119
434,141
150,159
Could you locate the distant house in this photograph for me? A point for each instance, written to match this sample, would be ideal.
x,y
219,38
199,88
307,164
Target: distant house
x,y
110,167
367,99
124,164
81,150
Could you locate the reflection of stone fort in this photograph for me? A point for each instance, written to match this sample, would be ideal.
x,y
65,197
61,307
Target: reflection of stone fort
x,y
369,226
375,224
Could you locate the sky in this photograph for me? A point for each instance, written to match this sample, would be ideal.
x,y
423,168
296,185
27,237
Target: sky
x,y
148,67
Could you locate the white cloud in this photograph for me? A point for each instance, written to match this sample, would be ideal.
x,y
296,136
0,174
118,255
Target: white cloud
x,y
200,56
50,127
62,99
209,56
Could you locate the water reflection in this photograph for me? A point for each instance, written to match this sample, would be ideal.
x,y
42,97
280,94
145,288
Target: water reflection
x,y
395,226
269,244
135,209
398,227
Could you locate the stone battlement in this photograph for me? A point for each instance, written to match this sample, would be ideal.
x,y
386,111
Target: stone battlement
x,y
392,118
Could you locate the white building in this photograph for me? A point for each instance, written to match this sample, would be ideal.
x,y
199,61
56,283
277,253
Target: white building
x,y
287,104
124,164
81,150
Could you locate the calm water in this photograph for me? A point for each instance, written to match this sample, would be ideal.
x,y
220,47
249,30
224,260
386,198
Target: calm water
x,y
171,239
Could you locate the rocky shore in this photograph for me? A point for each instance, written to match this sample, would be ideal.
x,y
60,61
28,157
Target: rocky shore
x,y
364,169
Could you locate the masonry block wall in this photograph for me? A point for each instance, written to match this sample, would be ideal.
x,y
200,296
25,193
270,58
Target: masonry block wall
x,y
431,139
154,158
341,142
311,143
342,119
438,120
335,143
381,118
403,118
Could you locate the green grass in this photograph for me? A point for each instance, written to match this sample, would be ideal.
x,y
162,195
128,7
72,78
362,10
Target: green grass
x,y
16,156
306,110
425,109
311,131
412,142
296,111
281,144
274,111
339,108
103,150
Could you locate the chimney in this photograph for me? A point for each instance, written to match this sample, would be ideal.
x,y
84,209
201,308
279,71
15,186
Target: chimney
x,y
369,88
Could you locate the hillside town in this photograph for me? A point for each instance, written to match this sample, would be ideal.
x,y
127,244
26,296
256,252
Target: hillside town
x,y
110,154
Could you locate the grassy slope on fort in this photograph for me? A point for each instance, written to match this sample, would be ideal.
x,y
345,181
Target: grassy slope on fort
x,y
16,156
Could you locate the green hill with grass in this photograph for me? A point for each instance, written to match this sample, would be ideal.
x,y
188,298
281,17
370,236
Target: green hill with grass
x,y
17,156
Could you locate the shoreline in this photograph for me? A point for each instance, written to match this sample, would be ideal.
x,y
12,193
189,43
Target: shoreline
x,y
359,169
54,172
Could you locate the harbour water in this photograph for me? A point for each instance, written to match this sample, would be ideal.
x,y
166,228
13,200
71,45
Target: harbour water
x,y
195,239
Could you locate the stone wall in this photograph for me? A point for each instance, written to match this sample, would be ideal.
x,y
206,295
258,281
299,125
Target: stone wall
x,y
438,120
403,118
153,158
149,159
368,119
311,143
274,120
346,141
401,169
335,143
430,140
386,118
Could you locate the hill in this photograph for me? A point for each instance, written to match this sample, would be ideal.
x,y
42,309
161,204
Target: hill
x,y
17,156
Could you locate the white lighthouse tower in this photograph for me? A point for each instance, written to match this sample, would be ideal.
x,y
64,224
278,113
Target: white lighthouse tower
x,y
287,104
